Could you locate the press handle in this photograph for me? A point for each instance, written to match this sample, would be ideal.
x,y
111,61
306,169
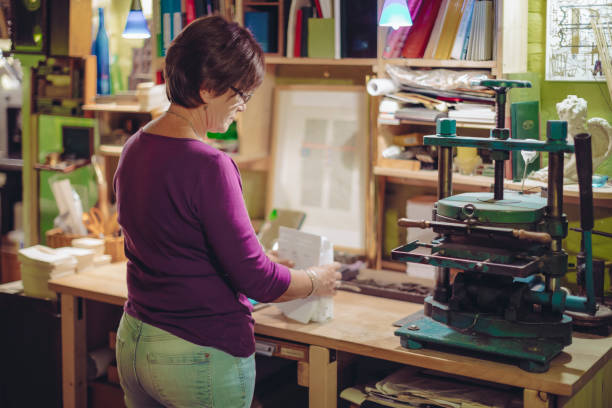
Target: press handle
x,y
584,165
541,237
407,223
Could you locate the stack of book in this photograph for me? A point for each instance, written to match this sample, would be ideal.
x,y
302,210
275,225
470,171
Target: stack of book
x,y
445,29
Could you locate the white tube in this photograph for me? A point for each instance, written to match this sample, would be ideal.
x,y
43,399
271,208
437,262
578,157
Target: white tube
x,y
381,86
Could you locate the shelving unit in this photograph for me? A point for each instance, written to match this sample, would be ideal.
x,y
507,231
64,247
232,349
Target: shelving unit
x,y
390,171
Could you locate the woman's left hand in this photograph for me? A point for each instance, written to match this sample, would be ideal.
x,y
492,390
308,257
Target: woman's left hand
x,y
273,255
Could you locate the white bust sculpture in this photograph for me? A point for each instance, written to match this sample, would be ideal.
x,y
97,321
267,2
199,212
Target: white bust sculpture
x,y
574,110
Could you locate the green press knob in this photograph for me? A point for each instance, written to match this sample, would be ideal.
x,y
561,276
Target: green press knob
x,y
556,130
446,127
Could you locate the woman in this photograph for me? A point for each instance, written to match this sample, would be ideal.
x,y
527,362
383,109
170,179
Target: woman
x,y
186,336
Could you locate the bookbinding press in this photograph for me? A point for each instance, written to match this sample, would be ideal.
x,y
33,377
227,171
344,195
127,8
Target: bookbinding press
x,y
504,250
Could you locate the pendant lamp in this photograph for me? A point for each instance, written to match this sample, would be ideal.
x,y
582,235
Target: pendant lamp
x,y
136,25
395,14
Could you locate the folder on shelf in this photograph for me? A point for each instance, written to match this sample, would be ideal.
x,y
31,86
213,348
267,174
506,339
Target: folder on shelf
x,y
320,38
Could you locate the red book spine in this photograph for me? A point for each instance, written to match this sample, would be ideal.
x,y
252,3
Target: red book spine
x,y
318,6
416,42
297,44
190,12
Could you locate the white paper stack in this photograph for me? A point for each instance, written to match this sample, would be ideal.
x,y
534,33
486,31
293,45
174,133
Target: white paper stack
x,y
306,250
96,245
39,264
84,257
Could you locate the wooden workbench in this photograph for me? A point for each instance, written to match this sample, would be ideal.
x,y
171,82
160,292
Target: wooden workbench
x,y
362,325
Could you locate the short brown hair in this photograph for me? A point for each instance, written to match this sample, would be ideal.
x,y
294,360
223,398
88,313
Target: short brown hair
x,y
213,54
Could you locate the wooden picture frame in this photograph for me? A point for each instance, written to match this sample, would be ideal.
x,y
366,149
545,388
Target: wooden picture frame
x,y
319,160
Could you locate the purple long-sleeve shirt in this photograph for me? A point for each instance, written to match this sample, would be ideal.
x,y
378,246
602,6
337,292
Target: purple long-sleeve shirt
x,y
193,257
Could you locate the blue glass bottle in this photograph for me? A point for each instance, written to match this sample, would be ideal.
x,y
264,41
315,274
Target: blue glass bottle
x,y
100,50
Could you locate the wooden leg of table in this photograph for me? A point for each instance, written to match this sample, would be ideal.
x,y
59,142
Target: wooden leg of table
x,y
323,379
74,352
537,399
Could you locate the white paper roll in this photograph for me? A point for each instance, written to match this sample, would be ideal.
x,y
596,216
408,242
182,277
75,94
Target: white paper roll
x,y
381,86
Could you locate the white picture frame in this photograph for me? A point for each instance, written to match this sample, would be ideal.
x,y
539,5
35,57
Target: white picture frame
x,y
319,159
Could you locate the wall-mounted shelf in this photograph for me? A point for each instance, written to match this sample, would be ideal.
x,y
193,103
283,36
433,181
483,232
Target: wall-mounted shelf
x,y
245,162
467,125
602,196
113,107
274,60
437,63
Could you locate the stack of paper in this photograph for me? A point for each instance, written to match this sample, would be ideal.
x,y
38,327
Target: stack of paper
x,y
39,264
410,387
474,113
306,250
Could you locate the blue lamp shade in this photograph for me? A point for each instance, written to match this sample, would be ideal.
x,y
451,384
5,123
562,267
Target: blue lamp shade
x,y
136,24
395,14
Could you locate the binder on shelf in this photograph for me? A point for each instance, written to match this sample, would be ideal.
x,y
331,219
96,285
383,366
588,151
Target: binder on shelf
x,y
416,41
320,38
337,30
291,22
177,18
190,11
166,25
434,37
297,47
358,29
307,13
258,22
454,13
462,31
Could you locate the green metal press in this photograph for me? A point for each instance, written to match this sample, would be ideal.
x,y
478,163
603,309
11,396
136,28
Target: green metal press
x,y
506,301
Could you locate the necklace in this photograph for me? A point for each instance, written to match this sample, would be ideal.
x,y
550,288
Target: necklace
x,y
188,122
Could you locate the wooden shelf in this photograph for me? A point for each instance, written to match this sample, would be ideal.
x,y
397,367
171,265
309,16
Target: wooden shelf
x,y
320,61
437,63
243,161
113,107
467,125
602,196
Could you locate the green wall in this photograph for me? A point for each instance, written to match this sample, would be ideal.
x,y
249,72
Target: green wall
x,y
596,94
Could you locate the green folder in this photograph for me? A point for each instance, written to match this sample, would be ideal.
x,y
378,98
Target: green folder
x,y
321,42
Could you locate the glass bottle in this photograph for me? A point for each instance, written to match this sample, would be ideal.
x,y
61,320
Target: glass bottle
x,y
102,54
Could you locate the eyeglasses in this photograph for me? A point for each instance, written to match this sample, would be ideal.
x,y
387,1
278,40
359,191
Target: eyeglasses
x,y
245,97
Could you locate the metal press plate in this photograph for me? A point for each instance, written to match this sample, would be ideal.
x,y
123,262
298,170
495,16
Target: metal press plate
x,y
514,208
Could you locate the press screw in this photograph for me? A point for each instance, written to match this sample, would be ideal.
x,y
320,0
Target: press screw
x,y
413,327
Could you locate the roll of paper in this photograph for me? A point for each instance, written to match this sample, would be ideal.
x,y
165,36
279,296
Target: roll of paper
x,y
381,86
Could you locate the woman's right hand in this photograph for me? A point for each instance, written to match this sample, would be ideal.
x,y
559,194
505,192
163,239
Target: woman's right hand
x,y
327,279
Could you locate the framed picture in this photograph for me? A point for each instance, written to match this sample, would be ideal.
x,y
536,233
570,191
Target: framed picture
x,y
572,53
319,159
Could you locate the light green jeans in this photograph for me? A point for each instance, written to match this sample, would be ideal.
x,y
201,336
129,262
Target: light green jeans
x,y
159,369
